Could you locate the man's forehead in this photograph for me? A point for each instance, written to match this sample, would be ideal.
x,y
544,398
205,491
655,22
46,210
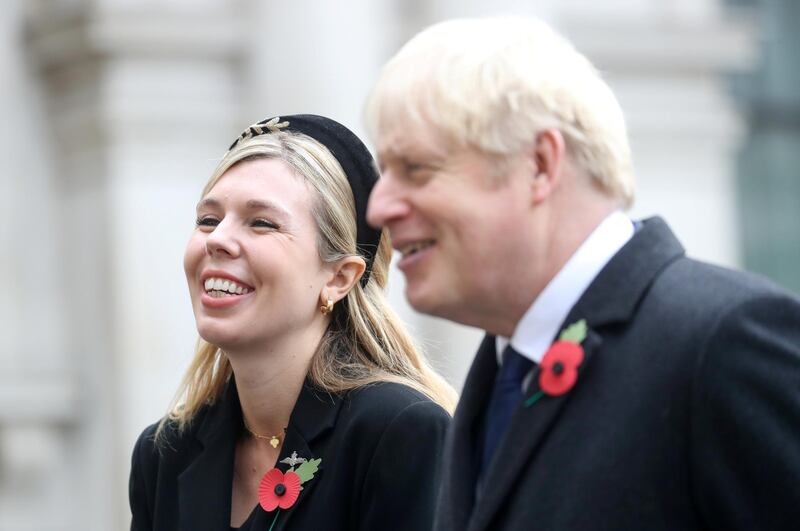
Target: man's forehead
x,y
412,141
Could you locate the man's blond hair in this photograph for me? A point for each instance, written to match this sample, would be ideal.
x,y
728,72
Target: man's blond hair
x,y
495,84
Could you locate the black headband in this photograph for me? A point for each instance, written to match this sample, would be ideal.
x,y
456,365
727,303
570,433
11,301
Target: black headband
x,y
353,156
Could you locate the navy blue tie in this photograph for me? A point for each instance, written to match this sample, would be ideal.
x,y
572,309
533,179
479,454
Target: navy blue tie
x,y
506,396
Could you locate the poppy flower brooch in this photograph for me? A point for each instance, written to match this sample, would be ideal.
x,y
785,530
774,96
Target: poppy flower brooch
x,y
559,366
279,490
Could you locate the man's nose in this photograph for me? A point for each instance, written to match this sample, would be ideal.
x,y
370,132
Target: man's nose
x,y
386,202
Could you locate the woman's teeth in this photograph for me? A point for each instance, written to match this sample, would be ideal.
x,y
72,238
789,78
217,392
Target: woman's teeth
x,y
219,287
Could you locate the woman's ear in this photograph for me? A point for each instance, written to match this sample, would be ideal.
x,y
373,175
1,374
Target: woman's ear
x,y
346,272
548,155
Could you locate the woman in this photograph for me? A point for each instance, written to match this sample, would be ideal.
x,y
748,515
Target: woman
x,y
306,405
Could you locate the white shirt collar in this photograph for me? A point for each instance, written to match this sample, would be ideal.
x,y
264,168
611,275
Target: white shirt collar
x,y
536,330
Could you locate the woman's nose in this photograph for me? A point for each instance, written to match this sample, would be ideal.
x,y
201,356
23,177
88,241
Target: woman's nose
x,y
222,241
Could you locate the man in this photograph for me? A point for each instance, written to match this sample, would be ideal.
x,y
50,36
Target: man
x,y
621,385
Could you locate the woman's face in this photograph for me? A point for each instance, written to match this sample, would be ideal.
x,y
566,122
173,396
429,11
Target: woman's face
x,y
254,273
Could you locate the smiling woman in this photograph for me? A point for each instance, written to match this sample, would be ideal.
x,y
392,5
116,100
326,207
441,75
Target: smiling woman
x,y
303,406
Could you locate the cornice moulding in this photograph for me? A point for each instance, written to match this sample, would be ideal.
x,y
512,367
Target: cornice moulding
x,y
718,46
64,39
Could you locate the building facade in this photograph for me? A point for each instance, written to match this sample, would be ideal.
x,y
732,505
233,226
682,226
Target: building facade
x,y
115,114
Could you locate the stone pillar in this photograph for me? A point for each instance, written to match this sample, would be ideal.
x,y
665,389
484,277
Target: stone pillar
x,y
141,100
669,65
38,390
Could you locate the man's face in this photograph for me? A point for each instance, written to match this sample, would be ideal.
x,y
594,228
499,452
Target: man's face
x,y
455,215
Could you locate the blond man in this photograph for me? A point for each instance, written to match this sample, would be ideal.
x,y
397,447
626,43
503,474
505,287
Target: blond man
x,y
621,385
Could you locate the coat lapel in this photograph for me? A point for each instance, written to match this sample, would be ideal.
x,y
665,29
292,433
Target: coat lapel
x,y
459,472
204,488
610,299
314,414
527,431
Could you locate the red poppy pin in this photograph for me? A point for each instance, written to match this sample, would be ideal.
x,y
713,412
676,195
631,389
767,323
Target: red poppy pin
x,y
559,366
279,490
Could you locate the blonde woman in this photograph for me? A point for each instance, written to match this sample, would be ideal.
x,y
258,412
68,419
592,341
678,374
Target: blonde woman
x,y
307,405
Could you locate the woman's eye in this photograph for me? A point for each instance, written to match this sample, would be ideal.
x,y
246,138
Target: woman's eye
x,y
206,221
264,224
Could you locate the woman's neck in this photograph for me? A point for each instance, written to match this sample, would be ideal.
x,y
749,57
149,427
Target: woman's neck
x,y
269,380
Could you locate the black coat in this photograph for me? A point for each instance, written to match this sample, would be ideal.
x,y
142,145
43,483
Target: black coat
x,y
380,446
685,414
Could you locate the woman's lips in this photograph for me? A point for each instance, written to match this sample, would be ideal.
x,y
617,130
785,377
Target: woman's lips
x,y
225,301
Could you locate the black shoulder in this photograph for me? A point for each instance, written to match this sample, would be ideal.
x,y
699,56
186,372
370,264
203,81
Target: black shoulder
x,y
698,295
171,441
373,409
386,400
151,445
141,483
397,431
745,405
715,284
146,442
158,456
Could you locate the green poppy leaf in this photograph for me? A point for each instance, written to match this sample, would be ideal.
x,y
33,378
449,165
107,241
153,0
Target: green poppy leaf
x,y
575,333
307,470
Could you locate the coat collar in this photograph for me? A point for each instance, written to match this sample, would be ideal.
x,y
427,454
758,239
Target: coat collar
x,y
459,472
611,298
205,486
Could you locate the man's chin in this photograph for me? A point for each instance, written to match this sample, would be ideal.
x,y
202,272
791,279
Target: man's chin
x,y
420,298
429,301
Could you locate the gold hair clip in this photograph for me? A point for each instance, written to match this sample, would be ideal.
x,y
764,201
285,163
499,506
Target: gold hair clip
x,y
260,128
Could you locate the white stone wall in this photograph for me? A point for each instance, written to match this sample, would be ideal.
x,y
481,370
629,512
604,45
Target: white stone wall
x,y
114,114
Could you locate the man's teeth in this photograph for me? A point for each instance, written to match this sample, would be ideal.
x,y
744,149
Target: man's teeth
x,y
415,247
221,287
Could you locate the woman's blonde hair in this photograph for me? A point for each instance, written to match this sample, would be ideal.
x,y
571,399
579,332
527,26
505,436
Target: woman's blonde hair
x,y
365,342
495,84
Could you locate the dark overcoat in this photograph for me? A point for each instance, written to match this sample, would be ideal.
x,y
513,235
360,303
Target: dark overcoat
x,y
381,447
685,414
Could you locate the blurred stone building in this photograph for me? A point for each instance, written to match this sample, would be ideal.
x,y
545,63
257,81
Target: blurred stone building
x,y
114,113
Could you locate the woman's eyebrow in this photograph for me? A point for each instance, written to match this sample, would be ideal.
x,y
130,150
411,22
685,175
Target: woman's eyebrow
x,y
252,204
259,204
208,202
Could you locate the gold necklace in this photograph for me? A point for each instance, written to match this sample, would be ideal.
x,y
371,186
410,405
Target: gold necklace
x,y
274,440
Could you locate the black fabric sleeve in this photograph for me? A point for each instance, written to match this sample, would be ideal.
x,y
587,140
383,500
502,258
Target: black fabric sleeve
x,y
745,430
402,480
140,501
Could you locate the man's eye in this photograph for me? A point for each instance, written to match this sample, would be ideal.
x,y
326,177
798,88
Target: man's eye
x,y
206,221
418,171
264,224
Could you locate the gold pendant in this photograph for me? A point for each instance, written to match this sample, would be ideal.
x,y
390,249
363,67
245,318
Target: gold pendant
x,y
274,442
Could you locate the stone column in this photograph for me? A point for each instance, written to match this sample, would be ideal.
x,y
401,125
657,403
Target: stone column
x,y
670,65
141,100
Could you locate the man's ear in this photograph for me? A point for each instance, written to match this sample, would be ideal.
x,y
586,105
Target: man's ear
x,y
345,273
548,157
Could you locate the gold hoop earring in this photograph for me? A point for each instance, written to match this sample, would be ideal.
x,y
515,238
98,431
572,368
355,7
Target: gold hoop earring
x,y
326,308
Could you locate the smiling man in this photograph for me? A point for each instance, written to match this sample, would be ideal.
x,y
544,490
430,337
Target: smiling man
x,y
621,385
